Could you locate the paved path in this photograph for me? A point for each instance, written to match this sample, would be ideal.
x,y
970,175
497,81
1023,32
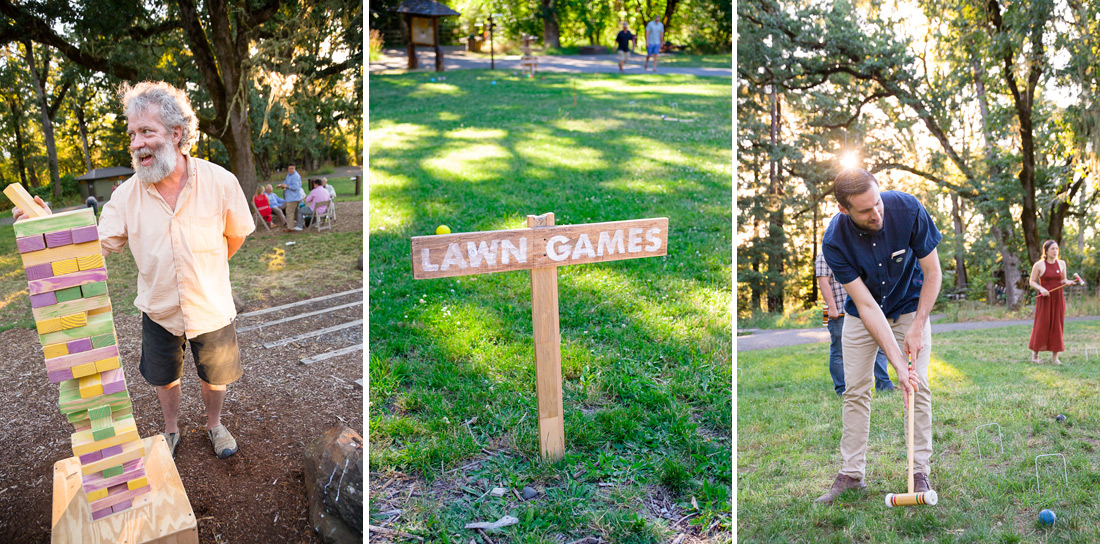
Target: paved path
x,y
761,339
454,58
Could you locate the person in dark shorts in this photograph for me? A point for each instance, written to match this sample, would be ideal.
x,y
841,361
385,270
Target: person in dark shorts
x,y
183,218
624,39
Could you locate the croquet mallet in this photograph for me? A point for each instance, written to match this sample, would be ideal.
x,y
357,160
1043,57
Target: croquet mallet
x,y
911,498
1075,277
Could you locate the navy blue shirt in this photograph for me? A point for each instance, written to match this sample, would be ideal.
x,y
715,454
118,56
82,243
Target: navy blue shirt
x,y
885,260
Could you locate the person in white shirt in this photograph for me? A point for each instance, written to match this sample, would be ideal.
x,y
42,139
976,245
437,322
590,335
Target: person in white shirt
x,y
654,37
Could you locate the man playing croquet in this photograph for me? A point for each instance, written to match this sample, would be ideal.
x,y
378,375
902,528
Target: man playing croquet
x,y
882,248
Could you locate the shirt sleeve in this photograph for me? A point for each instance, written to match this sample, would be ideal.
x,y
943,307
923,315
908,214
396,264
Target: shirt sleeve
x,y
843,270
925,236
820,267
238,218
112,224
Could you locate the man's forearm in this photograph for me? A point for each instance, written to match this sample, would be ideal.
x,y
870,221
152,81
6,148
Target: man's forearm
x,y
929,291
827,292
876,324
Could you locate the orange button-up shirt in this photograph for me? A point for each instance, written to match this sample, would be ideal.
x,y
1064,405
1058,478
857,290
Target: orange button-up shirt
x,y
181,255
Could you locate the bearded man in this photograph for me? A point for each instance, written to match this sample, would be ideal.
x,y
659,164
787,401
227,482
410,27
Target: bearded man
x,y
183,218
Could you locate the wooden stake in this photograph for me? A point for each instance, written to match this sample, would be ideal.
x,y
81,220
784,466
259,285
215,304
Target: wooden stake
x,y
544,317
24,201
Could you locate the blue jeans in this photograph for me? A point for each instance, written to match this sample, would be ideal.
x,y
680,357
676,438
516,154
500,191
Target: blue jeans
x,y
836,360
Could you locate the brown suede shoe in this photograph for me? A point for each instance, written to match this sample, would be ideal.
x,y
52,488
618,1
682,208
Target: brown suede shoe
x,y
841,484
920,483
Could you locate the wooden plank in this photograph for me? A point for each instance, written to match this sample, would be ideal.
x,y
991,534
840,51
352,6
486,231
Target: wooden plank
x,y
43,299
544,318
94,289
331,354
161,516
299,316
104,340
125,431
38,271
69,280
28,244
114,455
46,326
462,254
311,334
299,303
70,251
54,222
67,294
55,350
90,262
24,201
64,266
103,365
71,307
85,234
59,238
97,325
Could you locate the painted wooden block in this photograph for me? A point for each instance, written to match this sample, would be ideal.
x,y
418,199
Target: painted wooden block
x,y
113,381
107,472
102,513
104,340
55,350
73,321
70,401
81,422
67,294
115,475
70,251
43,300
125,431
91,386
64,266
138,482
102,310
54,222
90,356
30,243
100,417
75,279
47,326
117,495
115,450
71,307
87,369
94,289
97,494
104,365
97,324
79,345
59,238
59,376
90,262
124,505
38,271
100,434
85,234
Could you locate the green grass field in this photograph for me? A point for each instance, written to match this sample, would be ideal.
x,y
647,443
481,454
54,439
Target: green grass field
x,y
788,436
645,343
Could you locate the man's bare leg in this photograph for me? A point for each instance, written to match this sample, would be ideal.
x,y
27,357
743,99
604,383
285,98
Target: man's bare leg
x,y
213,397
169,397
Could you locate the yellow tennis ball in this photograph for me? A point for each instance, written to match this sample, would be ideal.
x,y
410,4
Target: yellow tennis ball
x,y
443,229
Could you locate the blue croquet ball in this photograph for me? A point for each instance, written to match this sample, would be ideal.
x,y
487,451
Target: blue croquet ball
x,y
1060,417
1047,517
433,79
493,83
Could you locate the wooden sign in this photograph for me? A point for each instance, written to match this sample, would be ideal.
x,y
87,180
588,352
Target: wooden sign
x,y
423,31
541,248
525,249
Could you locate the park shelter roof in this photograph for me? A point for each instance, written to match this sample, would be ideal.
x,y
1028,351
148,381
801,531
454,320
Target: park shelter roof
x,y
104,173
430,8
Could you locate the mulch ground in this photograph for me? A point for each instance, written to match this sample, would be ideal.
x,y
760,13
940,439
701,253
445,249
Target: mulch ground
x,y
275,411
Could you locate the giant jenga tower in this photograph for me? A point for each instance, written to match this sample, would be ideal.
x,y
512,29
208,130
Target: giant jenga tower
x,y
72,312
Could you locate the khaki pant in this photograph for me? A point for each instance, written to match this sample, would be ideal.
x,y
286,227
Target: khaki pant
x,y
291,215
859,362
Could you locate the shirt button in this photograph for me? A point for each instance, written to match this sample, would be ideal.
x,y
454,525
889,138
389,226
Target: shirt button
x,y
873,244
880,264
884,283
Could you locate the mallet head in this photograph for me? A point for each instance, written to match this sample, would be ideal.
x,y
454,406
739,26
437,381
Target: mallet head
x,y
912,499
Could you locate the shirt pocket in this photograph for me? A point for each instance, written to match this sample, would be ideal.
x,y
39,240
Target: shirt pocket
x,y
205,234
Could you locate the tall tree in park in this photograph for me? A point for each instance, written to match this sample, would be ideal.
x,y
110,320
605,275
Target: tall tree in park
x,y
219,45
49,98
550,29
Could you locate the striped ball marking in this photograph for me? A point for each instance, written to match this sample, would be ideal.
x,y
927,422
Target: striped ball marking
x,y
59,238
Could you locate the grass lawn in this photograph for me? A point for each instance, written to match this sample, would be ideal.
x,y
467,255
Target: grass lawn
x,y
788,430
683,60
646,354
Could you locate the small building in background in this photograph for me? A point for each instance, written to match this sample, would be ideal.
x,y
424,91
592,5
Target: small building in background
x,y
101,181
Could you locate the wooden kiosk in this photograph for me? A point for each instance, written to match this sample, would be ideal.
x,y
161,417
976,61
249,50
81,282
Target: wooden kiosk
x,y
422,20
116,487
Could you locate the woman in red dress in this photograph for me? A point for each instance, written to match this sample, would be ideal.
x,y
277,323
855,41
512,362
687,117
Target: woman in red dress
x,y
1050,308
260,200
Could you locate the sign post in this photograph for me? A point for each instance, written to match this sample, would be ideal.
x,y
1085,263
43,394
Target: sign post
x,y
540,248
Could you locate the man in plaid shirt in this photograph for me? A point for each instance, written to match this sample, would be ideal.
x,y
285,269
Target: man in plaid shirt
x,y
833,293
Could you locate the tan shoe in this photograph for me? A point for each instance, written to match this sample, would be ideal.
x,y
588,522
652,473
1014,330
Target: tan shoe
x,y
841,484
224,443
920,483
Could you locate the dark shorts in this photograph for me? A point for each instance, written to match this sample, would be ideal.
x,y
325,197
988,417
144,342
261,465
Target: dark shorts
x,y
217,359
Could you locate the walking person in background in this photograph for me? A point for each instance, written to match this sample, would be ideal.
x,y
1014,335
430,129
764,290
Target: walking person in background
x,y
834,296
654,37
1050,307
623,40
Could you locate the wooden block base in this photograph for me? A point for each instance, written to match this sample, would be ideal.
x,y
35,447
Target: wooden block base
x,y
162,516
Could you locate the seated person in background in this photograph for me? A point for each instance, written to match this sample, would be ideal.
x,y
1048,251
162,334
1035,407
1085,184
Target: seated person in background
x,y
317,195
329,188
262,205
277,204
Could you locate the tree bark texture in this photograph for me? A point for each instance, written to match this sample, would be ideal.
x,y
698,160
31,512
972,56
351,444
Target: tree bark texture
x,y
776,249
960,243
82,126
550,33
38,79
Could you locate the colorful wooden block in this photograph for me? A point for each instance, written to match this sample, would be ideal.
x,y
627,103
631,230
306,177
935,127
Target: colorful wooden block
x,y
104,340
118,494
125,431
64,266
65,295
113,471
69,400
71,307
80,345
55,350
97,494
47,326
112,476
94,289
97,325
91,386
75,279
59,376
55,222
30,243
38,271
100,434
70,251
115,450
59,238
113,381
90,356
90,262
43,300
102,310
102,513
73,321
138,482
85,234
87,369
104,365
124,505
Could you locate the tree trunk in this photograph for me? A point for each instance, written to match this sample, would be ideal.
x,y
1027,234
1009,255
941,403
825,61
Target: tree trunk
x,y
670,8
78,108
550,33
17,126
960,243
776,233
39,82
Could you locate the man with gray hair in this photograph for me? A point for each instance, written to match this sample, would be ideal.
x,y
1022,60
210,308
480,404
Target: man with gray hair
x,y
183,218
